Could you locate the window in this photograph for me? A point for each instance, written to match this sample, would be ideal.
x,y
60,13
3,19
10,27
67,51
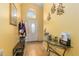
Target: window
x,y
31,14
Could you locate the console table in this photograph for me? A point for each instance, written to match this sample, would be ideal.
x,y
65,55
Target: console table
x,y
51,49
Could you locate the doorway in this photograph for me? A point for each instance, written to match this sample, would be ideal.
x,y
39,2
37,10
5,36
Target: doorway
x,y
31,26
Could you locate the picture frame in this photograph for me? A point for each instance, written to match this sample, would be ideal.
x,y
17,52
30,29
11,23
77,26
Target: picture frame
x,y
13,14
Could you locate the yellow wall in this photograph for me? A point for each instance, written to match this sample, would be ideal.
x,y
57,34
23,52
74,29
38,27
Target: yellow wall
x,y
39,13
8,33
68,22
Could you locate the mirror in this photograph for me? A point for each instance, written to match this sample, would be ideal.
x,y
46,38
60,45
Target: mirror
x,y
13,14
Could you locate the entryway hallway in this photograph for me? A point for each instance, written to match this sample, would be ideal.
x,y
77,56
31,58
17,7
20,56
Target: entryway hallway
x,y
40,23
11,15
35,49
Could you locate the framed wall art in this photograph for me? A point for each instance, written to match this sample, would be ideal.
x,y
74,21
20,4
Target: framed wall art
x,y
13,14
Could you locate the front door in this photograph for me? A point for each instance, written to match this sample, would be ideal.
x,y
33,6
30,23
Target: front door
x,y
31,25
32,30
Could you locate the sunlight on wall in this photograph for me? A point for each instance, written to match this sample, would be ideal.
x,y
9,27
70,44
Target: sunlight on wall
x,y
8,33
68,22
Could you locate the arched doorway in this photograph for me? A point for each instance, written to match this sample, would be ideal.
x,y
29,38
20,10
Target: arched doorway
x,y
31,25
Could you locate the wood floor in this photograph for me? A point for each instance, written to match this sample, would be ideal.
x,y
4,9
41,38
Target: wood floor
x,y
34,49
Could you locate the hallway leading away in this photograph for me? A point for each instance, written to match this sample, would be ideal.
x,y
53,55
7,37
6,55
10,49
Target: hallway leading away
x,y
34,49
40,22
9,26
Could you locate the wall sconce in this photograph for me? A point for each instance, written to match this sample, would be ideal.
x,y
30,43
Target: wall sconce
x,y
48,17
53,8
59,9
